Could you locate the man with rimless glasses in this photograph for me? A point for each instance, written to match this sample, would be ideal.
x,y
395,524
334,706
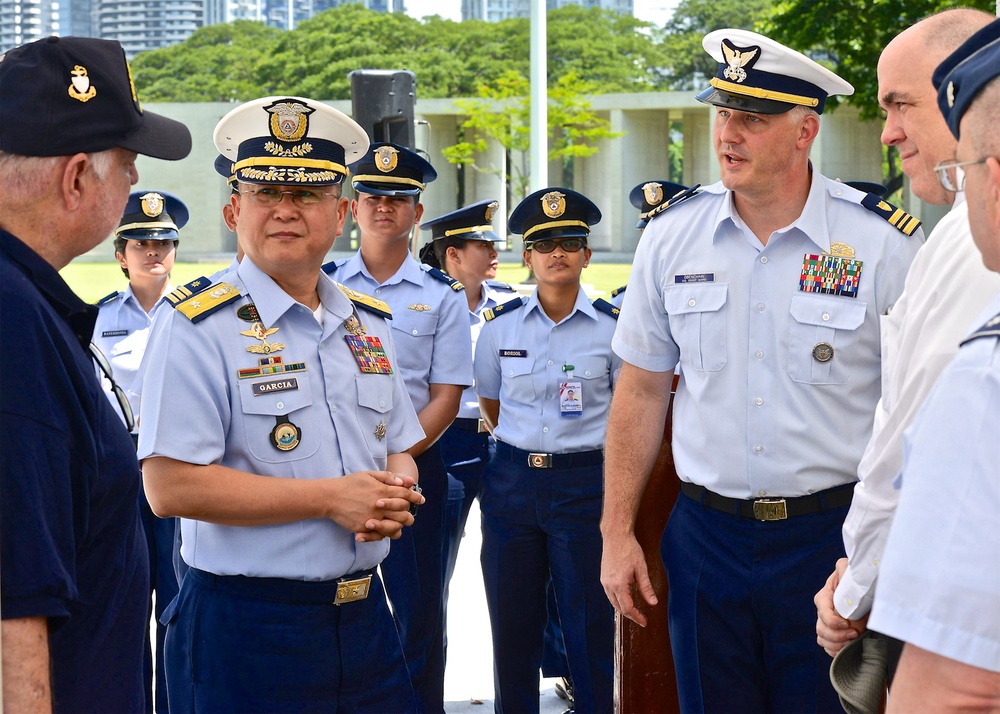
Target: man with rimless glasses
x,y
277,431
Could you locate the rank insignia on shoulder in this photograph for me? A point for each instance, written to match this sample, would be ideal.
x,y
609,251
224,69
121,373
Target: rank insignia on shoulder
x,y
186,291
606,307
372,304
491,313
673,201
107,298
331,267
443,277
618,291
990,329
200,305
896,217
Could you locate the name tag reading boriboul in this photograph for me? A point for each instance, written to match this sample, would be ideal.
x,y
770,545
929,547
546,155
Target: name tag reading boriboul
x,y
277,385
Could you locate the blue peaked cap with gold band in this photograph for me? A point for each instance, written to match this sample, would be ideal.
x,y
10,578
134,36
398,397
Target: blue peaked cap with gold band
x,y
472,222
965,72
152,214
554,212
289,141
757,74
391,170
224,167
649,195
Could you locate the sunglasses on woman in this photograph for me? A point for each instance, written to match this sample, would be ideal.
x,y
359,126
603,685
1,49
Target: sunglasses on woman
x,y
570,245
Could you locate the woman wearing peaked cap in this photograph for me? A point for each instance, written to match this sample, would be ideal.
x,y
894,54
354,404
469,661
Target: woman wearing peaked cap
x,y
542,491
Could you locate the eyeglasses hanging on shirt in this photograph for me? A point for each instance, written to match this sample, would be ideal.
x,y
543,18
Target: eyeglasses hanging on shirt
x,y
119,393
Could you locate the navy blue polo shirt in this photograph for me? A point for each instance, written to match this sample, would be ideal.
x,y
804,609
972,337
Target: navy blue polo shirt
x,y
73,549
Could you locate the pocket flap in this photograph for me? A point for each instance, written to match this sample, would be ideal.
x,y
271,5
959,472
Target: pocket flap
x,y
275,395
695,297
375,392
823,311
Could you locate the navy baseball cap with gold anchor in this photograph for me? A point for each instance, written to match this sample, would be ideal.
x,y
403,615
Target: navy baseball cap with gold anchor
x,y
651,194
391,170
965,72
67,95
757,74
285,140
554,213
152,214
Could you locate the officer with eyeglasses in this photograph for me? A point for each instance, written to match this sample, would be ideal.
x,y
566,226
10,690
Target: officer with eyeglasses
x,y
430,323
544,375
277,430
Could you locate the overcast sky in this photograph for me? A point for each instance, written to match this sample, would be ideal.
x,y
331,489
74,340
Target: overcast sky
x,y
656,11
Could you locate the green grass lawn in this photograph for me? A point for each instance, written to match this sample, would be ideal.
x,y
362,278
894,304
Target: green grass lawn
x,y
92,281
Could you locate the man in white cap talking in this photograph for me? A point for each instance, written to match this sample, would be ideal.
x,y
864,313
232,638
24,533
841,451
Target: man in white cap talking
x,y
277,432
768,294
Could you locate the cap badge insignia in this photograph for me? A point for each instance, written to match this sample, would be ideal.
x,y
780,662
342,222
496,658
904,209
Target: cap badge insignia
x,y
738,60
951,94
554,204
79,87
380,430
289,120
653,193
386,158
152,204
491,210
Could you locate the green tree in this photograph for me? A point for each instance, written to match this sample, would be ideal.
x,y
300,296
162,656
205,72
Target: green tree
x,y
502,114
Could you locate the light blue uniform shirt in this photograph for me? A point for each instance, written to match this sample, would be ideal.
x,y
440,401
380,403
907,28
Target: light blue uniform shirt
x,y
199,411
121,333
430,324
939,586
492,295
756,414
528,386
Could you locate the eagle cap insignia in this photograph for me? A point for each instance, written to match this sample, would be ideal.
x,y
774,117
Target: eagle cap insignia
x,y
554,204
152,204
79,87
491,210
289,119
738,60
653,193
386,158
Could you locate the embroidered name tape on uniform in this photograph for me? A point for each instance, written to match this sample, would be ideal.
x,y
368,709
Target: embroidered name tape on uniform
x,y
197,307
277,385
830,275
695,278
271,365
114,333
513,353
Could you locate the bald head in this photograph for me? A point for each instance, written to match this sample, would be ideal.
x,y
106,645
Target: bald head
x,y
913,123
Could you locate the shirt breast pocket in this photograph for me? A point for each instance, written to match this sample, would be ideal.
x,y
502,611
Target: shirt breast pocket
x,y
518,383
374,409
264,401
413,333
698,323
588,368
823,333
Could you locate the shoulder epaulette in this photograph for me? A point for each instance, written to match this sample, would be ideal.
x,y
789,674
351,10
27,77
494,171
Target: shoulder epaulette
x,y
606,307
331,267
990,329
200,305
896,217
673,201
372,304
185,291
443,277
497,285
107,298
492,313
618,291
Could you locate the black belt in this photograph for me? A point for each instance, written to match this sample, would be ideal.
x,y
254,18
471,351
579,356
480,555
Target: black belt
x,y
343,590
537,460
474,425
771,509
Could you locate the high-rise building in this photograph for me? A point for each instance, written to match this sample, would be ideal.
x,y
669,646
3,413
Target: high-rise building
x,y
496,10
24,21
284,14
142,25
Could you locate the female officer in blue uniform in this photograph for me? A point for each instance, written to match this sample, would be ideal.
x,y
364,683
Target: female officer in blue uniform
x,y
542,491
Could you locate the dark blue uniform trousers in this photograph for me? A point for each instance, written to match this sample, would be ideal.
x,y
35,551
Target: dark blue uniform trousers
x,y
414,580
742,619
237,644
537,524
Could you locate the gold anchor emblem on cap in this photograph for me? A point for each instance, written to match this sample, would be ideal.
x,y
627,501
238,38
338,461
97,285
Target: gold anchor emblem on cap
x,y
79,87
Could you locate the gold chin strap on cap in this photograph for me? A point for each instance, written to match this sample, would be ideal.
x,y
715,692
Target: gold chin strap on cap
x,y
388,179
759,93
472,229
296,163
554,224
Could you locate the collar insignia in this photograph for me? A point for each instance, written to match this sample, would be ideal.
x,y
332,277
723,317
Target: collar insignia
x,y
152,204
554,204
386,158
738,60
79,87
289,120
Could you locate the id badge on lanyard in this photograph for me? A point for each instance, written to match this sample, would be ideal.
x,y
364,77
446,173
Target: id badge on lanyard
x,y
570,394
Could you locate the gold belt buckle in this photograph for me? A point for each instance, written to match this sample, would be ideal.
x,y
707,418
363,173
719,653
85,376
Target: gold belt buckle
x,y
770,509
540,461
352,590
481,427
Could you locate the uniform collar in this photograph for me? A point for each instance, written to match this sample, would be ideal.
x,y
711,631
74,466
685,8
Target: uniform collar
x,y
583,305
409,271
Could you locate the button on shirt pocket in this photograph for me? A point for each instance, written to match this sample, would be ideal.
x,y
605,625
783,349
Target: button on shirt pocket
x,y
261,410
698,323
374,411
819,319
413,333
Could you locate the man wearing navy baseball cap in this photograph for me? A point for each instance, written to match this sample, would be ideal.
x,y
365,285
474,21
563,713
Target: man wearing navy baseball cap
x,y
940,576
73,552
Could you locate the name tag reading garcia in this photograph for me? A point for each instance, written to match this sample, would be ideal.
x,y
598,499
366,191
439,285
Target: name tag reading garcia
x,y
277,385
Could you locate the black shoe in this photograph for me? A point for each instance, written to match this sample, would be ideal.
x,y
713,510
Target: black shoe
x,y
564,690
